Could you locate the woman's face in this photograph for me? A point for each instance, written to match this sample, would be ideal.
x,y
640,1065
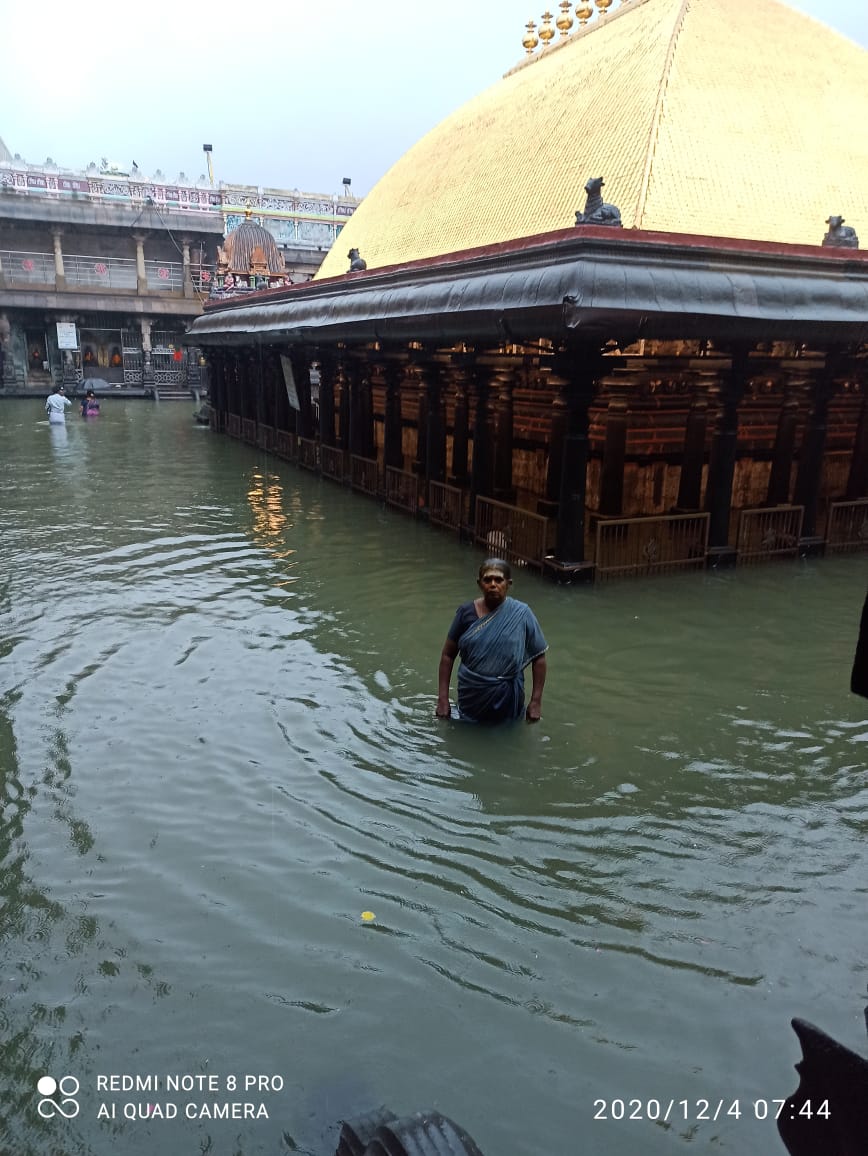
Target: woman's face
x,y
494,586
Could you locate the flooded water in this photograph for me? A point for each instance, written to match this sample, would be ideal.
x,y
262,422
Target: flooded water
x,y
217,749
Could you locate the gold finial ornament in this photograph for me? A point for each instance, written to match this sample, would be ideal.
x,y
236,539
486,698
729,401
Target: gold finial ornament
x,y
546,32
565,20
584,12
603,5
530,38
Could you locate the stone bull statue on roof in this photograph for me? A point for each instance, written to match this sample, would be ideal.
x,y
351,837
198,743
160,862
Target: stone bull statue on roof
x,y
597,211
840,236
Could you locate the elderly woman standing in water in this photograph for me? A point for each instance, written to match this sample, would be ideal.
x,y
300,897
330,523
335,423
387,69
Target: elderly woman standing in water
x,y
496,637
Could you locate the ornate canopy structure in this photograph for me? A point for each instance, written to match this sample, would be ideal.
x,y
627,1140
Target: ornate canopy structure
x,y
726,118
251,253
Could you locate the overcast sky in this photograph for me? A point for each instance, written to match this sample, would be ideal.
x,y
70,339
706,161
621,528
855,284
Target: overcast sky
x,y
291,93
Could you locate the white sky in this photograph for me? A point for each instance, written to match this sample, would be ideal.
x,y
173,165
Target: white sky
x,y
291,93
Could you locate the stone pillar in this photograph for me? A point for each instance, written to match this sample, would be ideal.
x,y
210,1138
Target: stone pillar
x,y
721,465
576,373
611,501
810,472
141,274
503,383
393,430
693,454
857,481
778,493
217,378
460,377
185,259
367,434
147,367
327,375
59,271
5,334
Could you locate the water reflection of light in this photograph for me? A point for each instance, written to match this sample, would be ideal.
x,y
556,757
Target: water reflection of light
x,y
265,498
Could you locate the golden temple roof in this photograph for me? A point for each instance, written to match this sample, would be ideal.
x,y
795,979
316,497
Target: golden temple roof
x,y
728,118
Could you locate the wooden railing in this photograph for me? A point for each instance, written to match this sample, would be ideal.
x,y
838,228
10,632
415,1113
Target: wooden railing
x,y
510,533
847,527
286,445
331,462
365,475
402,490
308,454
447,505
634,547
769,533
265,437
248,430
233,425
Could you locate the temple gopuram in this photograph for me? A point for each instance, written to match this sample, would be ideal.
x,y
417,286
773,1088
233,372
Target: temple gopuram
x,y
610,317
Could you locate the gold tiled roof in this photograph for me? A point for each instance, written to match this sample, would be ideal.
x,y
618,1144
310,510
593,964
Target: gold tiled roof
x,y
734,118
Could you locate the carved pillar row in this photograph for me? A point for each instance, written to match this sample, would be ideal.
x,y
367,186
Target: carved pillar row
x,y
393,426
558,429
721,466
778,493
284,414
576,372
857,481
368,437
611,502
693,453
810,472
342,402
460,375
503,382
215,378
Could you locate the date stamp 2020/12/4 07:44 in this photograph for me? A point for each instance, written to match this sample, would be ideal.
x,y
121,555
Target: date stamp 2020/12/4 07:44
x,y
722,1108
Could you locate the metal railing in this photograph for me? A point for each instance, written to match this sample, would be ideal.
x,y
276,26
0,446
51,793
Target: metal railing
x,y
773,532
510,533
365,475
447,505
101,273
639,547
331,463
402,490
847,527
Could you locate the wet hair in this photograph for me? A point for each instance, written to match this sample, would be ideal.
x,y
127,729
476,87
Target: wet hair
x,y
496,564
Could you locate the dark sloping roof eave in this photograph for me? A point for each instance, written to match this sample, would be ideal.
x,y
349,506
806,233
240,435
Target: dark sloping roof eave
x,y
562,285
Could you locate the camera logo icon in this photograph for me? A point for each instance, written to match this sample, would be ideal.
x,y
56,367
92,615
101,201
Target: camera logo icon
x,y
66,1088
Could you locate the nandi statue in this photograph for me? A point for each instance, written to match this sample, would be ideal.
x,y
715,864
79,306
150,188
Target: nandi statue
x,y
357,263
597,212
840,236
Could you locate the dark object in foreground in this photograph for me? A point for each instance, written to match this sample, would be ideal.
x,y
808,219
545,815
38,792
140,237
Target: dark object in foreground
x,y
381,1133
835,1080
859,677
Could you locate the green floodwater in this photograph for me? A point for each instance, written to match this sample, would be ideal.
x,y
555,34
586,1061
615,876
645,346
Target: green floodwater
x,y
217,749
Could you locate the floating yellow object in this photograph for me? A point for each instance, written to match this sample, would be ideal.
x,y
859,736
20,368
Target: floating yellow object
x,y
368,916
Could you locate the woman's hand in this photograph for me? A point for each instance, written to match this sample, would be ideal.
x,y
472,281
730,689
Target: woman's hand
x,y
444,710
533,712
